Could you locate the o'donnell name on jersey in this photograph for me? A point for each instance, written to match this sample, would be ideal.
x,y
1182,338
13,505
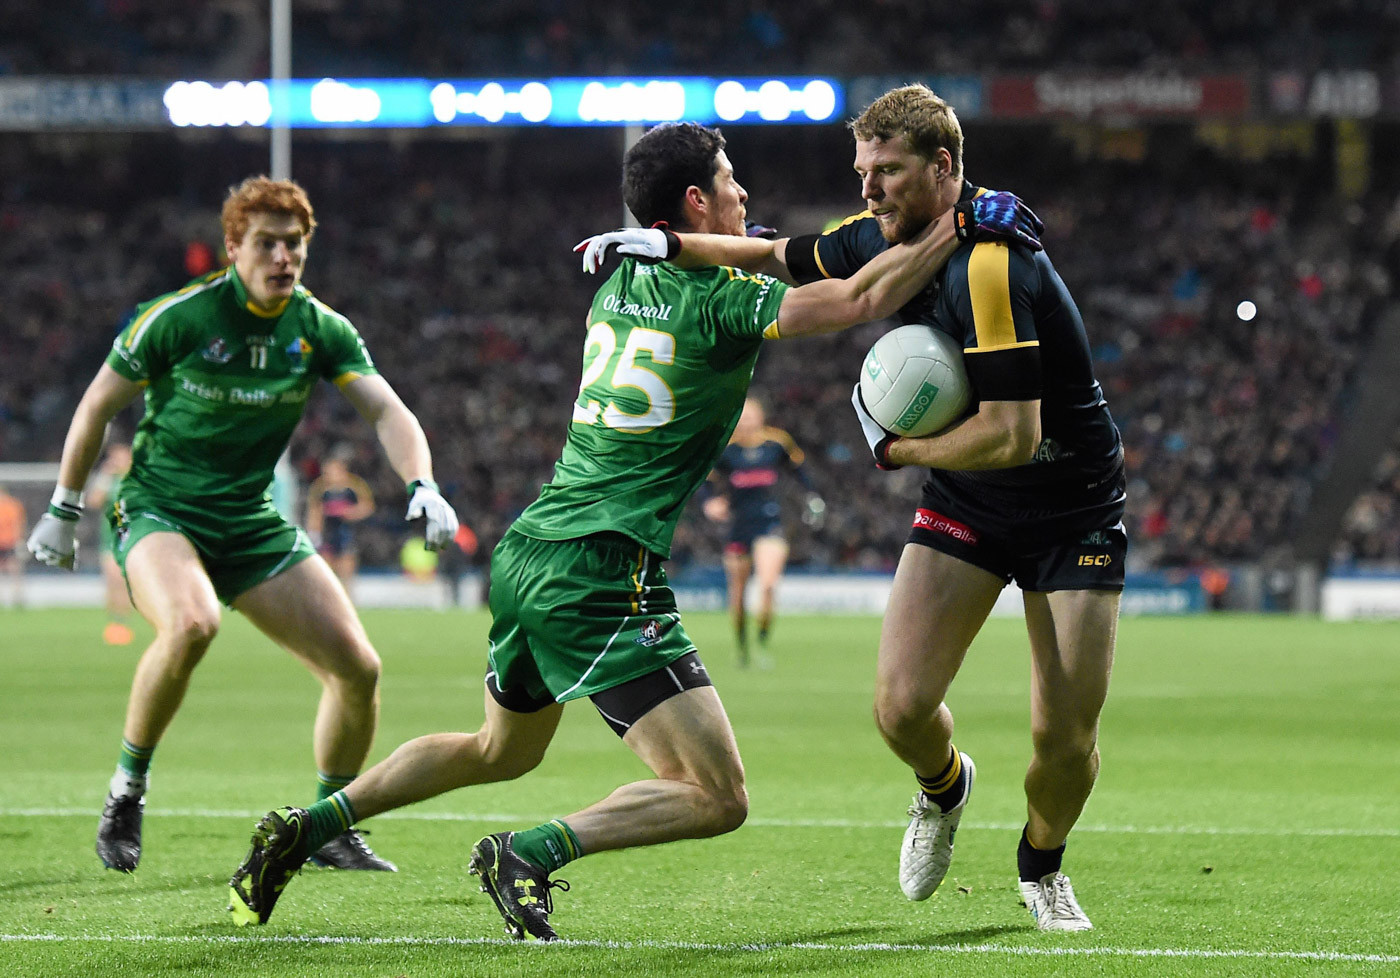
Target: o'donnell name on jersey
x,y
613,304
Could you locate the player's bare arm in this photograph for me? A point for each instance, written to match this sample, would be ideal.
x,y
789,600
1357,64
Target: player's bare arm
x,y
1001,435
750,254
877,290
108,393
394,424
406,446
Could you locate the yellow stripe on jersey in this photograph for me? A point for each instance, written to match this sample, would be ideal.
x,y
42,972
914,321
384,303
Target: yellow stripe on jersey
x,y
1005,346
349,377
850,220
138,326
989,288
816,245
637,580
770,332
786,441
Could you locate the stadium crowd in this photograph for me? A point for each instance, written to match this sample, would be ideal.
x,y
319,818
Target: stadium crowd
x,y
166,38
1371,532
469,295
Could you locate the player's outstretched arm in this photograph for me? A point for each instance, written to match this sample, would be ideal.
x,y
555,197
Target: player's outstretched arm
x,y
407,448
877,290
53,540
755,254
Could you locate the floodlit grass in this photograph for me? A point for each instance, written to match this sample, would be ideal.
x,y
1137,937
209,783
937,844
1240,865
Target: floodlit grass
x,y
1247,820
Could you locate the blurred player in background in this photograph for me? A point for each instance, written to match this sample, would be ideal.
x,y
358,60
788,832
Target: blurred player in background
x,y
1028,487
106,485
744,494
336,501
12,527
579,598
227,364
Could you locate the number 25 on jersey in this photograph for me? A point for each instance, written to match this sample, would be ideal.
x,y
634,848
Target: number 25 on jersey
x,y
600,353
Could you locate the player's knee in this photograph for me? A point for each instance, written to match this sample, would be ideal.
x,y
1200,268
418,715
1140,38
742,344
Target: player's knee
x,y
191,630
902,711
728,807
357,666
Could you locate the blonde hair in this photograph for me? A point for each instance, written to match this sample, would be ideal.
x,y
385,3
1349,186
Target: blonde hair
x,y
263,195
926,122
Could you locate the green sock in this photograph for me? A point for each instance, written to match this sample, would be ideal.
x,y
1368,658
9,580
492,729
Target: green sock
x,y
135,761
329,817
549,846
329,784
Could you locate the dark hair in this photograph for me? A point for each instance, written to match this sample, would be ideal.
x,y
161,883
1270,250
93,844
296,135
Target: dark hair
x,y
660,166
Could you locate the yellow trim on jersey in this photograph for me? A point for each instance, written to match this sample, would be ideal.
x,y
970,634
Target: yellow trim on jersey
x,y
281,308
816,245
637,580
989,288
770,332
850,220
349,377
1004,346
141,322
789,445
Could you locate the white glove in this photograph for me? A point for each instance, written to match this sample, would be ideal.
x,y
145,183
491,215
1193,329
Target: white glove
x,y
646,244
427,502
53,540
876,437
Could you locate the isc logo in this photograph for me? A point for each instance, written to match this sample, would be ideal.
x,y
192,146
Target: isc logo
x,y
1094,560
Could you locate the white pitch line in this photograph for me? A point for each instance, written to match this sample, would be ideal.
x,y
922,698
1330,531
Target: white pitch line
x,y
758,821
765,946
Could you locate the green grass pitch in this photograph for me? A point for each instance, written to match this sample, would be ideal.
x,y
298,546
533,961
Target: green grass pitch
x,y
1246,822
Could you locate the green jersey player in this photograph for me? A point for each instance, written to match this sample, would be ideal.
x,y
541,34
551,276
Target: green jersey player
x,y
579,598
226,364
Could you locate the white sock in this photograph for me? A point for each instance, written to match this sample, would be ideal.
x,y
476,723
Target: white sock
x,y
124,784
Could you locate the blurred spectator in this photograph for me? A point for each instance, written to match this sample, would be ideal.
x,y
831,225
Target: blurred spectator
x,y
462,279
165,38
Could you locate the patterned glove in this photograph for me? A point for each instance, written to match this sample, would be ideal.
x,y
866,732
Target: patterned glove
x,y
876,437
425,500
650,245
998,216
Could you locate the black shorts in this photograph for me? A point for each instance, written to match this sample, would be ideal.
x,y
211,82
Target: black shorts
x,y
1059,539
623,705
748,522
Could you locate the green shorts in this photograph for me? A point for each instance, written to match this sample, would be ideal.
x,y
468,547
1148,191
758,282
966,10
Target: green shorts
x,y
239,548
570,618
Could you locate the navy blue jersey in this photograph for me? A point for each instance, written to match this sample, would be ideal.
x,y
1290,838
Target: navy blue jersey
x,y
749,474
1022,338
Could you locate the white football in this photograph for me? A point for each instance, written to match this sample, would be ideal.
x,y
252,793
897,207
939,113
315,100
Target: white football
x,y
913,381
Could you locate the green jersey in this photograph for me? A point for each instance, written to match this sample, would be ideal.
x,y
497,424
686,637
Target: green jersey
x,y
666,367
225,386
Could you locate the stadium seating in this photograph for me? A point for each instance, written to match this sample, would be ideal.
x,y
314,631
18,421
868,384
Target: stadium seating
x,y
454,259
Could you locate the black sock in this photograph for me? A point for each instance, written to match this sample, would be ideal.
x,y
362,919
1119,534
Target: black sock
x,y
946,788
1035,864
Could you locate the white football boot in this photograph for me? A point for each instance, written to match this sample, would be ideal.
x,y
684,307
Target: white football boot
x,y
928,841
1051,902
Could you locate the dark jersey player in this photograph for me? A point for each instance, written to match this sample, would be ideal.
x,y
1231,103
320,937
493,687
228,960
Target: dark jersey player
x,y
744,495
1027,487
